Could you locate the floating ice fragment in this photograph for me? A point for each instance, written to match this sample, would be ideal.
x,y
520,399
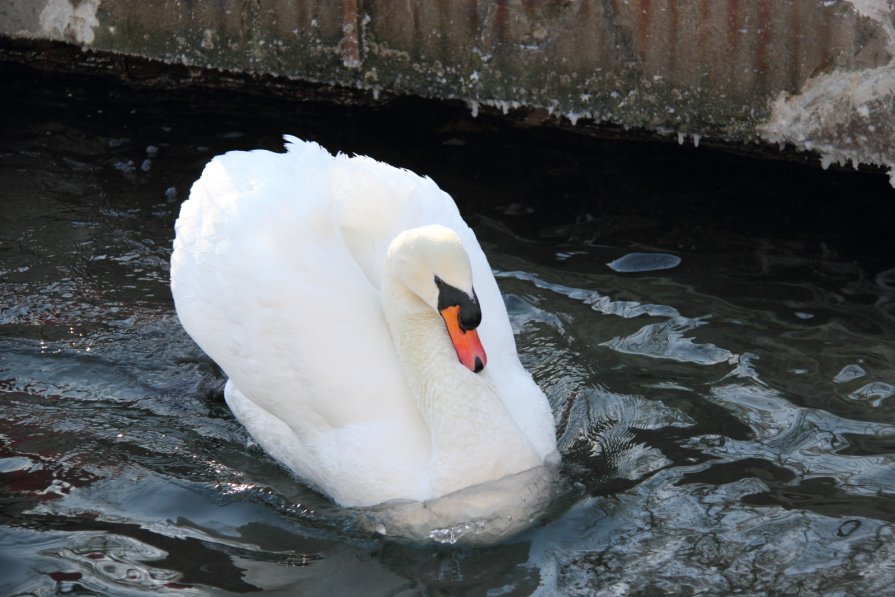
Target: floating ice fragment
x,y
563,255
644,262
124,166
849,372
875,392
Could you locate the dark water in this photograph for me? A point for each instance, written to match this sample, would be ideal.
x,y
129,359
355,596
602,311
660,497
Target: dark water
x,y
724,392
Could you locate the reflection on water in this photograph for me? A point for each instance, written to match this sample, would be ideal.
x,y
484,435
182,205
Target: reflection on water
x,y
715,336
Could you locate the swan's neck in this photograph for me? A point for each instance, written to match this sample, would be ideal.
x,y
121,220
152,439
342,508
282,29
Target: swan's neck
x,y
474,438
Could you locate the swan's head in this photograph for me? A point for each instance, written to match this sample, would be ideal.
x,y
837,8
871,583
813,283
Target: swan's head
x,y
432,263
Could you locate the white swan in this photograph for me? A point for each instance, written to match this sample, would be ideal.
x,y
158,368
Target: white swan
x,y
328,289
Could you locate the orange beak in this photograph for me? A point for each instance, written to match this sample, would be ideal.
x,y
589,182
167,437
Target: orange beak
x,y
466,342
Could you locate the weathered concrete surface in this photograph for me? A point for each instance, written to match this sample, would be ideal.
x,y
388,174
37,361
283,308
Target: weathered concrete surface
x,y
819,74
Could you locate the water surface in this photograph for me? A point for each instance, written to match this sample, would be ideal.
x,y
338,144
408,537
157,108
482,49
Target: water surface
x,y
715,335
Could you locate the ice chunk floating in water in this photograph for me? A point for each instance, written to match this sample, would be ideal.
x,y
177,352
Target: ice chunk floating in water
x,y
644,262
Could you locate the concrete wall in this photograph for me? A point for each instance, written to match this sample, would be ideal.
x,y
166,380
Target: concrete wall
x,y
819,74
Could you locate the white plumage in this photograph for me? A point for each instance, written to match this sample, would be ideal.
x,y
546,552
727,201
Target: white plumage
x,y
339,365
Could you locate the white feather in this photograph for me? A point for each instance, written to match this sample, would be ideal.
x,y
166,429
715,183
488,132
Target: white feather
x,y
278,273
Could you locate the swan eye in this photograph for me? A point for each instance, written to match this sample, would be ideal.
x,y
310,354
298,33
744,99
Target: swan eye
x,y
470,315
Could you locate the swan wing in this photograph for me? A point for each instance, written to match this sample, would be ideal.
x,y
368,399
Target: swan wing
x,y
265,284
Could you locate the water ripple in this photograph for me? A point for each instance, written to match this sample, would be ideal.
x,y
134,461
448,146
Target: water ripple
x,y
724,402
